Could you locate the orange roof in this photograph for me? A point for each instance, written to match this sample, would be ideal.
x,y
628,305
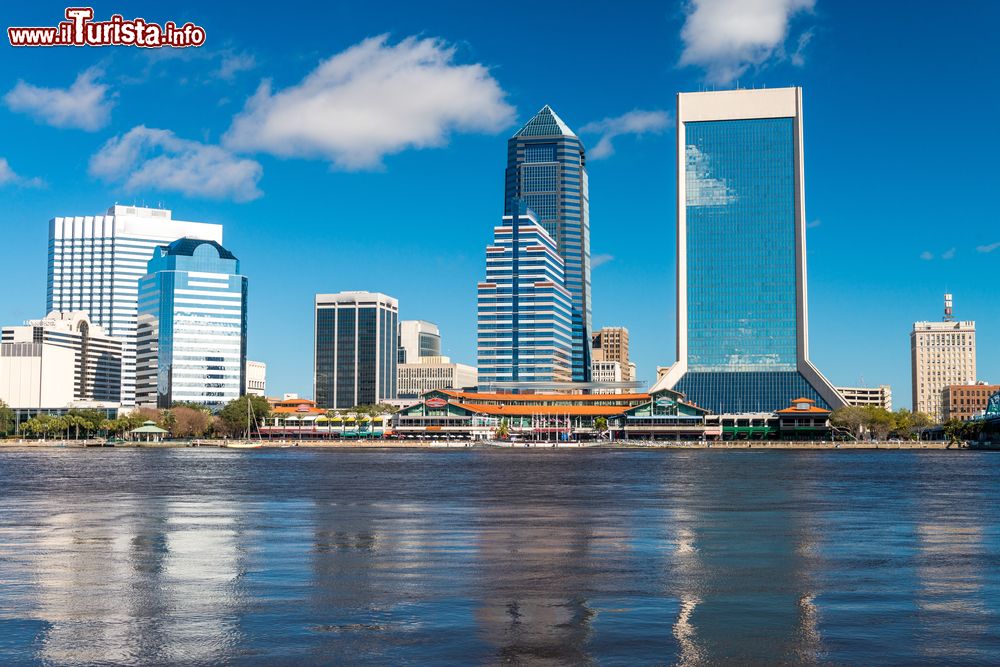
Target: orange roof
x,y
802,400
294,409
532,398
812,409
556,410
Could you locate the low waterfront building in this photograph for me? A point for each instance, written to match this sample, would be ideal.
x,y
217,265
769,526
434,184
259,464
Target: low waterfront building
x,y
62,359
563,417
879,397
256,374
192,329
965,401
804,420
428,373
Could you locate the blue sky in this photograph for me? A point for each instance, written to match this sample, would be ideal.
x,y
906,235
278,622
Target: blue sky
x,y
363,147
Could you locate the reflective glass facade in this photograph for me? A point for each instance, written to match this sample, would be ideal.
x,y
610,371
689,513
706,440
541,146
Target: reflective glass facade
x,y
546,171
741,287
356,349
192,326
742,325
95,262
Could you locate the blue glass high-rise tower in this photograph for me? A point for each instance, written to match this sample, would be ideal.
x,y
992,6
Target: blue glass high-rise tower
x,y
742,311
547,172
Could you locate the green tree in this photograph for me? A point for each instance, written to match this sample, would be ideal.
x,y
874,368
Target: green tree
x,y
235,415
6,419
503,430
850,418
601,425
954,429
878,421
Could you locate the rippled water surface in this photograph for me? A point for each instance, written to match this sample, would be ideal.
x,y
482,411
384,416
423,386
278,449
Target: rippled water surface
x,y
488,556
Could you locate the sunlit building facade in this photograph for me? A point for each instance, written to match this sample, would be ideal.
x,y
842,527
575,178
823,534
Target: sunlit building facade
x,y
95,262
357,349
547,172
524,311
742,318
192,332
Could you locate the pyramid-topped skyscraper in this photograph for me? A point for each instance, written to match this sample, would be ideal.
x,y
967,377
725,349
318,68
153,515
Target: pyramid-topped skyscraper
x,y
547,172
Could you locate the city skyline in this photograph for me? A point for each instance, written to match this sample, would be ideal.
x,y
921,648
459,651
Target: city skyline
x,y
878,261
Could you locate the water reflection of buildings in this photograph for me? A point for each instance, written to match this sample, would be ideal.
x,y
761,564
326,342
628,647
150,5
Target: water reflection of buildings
x,y
741,572
951,582
131,580
533,561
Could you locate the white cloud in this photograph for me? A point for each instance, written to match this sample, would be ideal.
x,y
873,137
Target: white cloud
x,y
927,255
598,260
799,58
948,254
633,122
9,177
988,248
372,100
85,104
147,158
727,37
234,63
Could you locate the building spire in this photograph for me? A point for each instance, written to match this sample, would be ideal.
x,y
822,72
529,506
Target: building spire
x,y
545,123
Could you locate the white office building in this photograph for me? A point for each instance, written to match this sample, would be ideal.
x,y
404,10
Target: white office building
x,y
429,373
95,263
256,373
941,354
417,339
58,361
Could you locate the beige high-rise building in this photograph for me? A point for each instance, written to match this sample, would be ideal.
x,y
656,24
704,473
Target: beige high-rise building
x,y
611,344
942,354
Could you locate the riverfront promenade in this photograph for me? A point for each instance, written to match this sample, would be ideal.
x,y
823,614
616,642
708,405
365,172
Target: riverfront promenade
x,y
490,444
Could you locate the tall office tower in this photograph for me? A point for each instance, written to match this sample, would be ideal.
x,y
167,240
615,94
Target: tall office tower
x,y
59,360
356,338
941,354
611,344
417,339
95,262
192,332
547,171
524,324
742,315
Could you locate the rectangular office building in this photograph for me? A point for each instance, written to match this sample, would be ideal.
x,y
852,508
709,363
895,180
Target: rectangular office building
x,y
95,262
742,307
192,333
356,349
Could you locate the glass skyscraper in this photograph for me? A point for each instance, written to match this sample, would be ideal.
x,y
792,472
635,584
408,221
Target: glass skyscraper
x,y
742,320
546,171
95,262
192,326
357,349
524,319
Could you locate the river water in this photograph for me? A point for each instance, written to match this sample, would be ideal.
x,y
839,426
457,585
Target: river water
x,y
386,557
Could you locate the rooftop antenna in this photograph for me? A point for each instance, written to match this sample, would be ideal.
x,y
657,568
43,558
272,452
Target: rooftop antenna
x,y
948,314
